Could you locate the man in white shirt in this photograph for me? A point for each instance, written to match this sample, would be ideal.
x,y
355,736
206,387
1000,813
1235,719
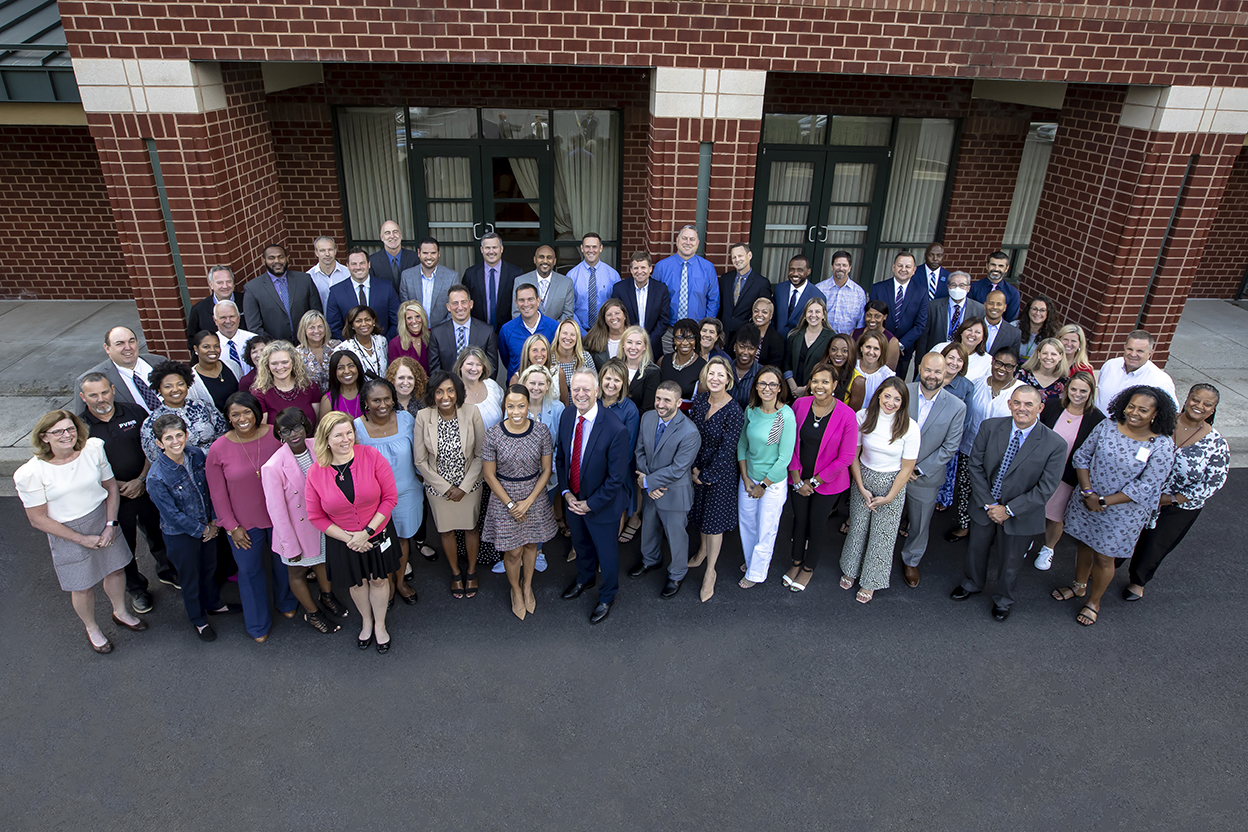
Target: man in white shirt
x,y
123,364
556,297
1134,367
327,270
428,281
233,340
846,299
946,314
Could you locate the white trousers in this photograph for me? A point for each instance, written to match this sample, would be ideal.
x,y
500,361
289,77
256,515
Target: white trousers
x,y
759,521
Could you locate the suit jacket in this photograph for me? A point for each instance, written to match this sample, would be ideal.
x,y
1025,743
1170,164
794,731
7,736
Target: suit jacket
x,y
1008,335
938,321
471,435
285,494
783,322
1053,410
108,368
560,296
379,265
1030,481
910,325
736,315
382,299
942,280
1013,298
443,279
658,309
669,464
442,352
604,464
474,279
939,439
199,319
264,310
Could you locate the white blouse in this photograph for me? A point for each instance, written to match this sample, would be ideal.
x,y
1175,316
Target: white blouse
x,y
878,453
70,491
872,381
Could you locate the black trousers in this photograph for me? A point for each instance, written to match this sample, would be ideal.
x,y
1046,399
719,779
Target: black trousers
x,y
135,512
811,538
1154,544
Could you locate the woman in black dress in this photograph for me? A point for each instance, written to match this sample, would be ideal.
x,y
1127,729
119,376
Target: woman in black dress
x,y
218,379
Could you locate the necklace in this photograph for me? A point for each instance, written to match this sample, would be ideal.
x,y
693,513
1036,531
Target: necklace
x,y
676,366
816,417
289,397
255,463
341,469
1191,439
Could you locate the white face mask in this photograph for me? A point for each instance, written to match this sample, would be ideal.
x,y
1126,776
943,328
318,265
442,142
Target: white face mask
x,y
957,293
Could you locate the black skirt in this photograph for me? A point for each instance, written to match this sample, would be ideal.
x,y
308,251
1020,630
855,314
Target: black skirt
x,y
349,568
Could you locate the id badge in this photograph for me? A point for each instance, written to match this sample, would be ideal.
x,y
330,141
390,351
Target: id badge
x,y
1143,454
385,544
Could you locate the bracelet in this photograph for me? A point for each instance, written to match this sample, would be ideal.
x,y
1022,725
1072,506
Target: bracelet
x,y
111,523
797,486
1087,492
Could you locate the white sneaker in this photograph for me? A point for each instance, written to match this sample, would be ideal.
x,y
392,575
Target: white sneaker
x,y
540,566
1044,559
498,568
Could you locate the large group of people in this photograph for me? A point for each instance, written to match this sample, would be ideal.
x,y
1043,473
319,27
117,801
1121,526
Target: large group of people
x,y
333,420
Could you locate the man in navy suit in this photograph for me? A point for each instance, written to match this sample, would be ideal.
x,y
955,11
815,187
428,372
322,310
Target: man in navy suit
x,y
907,307
933,275
792,297
998,265
393,259
379,295
593,462
646,302
491,283
739,287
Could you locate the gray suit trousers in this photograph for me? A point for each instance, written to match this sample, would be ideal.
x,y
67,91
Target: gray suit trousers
x,y
1013,550
920,506
654,523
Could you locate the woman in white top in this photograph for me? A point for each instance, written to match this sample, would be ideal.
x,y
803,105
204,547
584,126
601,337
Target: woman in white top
x,y
888,447
481,390
872,349
360,337
70,494
972,334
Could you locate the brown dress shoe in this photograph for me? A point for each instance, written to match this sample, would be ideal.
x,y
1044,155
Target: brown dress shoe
x,y
912,575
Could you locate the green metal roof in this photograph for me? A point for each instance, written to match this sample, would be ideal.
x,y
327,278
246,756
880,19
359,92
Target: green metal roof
x,y
34,58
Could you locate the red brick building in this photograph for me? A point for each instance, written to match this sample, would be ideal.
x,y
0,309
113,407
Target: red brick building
x,y
1099,141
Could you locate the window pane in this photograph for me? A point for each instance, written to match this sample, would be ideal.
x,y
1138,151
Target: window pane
x,y
782,128
916,187
861,131
587,173
443,123
1035,164
515,124
448,186
374,170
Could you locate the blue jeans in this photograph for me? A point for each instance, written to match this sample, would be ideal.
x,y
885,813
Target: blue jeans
x,y
257,566
196,562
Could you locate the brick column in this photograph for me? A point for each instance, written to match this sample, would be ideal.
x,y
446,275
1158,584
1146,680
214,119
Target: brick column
x,y
212,135
688,107
1116,170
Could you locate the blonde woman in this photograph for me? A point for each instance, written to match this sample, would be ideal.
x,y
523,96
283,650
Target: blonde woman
x,y
282,381
537,352
1075,345
1046,370
315,346
643,373
413,338
569,353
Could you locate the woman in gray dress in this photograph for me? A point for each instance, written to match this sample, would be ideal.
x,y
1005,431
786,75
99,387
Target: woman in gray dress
x,y
70,493
1121,468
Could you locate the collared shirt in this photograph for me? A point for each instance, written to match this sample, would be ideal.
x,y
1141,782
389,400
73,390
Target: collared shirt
x,y
127,377
983,405
642,293
703,299
426,288
1026,432
497,268
515,332
240,339
466,329
368,290
605,278
898,286
325,281
1114,378
215,300
925,405
949,317
845,304
931,280
590,416
992,334
120,435
645,483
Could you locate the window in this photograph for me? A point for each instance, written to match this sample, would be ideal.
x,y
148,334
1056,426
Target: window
x,y
1027,190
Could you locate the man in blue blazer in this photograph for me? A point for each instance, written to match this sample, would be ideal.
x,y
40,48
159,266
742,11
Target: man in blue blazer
x,y
477,279
907,307
378,292
648,303
792,297
393,259
998,265
593,460
933,275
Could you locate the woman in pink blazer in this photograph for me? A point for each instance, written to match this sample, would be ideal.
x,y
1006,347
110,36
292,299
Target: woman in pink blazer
x,y
295,539
351,493
827,440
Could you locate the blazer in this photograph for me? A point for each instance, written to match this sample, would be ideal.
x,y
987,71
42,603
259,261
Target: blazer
x,y
909,327
800,370
736,315
1048,417
375,492
604,465
668,464
641,390
474,279
837,450
782,321
425,447
285,494
442,352
658,309
942,281
1033,475
410,288
108,368
939,439
937,329
1013,298
1008,335
560,299
200,319
264,310
382,299
379,265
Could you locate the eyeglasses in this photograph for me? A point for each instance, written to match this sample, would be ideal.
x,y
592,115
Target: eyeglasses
x,y
682,337
1003,365
59,432
768,385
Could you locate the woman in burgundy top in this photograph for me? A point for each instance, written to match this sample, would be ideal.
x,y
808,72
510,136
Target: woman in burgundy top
x,y
413,338
282,381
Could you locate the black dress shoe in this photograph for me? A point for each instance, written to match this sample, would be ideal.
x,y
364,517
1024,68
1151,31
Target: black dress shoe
x,y
363,643
385,648
600,613
1000,613
953,537
671,588
574,590
641,569
961,594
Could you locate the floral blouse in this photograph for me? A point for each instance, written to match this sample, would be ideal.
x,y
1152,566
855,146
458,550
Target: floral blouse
x,y
1053,391
1199,470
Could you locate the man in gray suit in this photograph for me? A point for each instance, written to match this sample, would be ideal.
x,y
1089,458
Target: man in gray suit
x,y
667,444
460,330
945,314
939,415
127,369
428,282
264,307
555,293
1016,465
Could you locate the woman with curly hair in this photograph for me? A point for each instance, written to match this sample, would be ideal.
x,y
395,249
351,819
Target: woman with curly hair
x,y
282,381
172,381
1039,324
409,381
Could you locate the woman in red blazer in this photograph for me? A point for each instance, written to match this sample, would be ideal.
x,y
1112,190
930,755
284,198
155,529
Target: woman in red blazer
x,y
351,493
827,441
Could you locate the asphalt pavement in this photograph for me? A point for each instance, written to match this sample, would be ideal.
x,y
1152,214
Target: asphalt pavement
x,y
762,709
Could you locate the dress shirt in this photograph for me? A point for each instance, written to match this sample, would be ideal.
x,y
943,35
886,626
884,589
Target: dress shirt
x,y
925,405
325,281
992,334
1022,440
491,288
961,316
589,415
466,329
931,280
604,276
368,295
1114,379
703,285
665,425
642,293
127,376
240,339
426,289
845,304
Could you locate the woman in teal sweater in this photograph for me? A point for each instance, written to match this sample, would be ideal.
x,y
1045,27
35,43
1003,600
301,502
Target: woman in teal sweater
x,y
763,454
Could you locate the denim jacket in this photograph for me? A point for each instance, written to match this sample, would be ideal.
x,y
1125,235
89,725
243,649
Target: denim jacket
x,y
184,505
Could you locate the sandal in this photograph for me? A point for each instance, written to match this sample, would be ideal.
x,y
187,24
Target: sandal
x,y
805,575
319,623
845,527
864,596
903,531
330,603
457,586
563,528
630,530
847,582
1083,616
471,587
1065,593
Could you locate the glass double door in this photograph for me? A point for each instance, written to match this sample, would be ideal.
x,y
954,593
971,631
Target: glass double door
x,y
817,202
466,189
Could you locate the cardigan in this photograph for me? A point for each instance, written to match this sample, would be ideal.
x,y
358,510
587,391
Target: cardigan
x,y
285,490
836,451
1053,411
375,492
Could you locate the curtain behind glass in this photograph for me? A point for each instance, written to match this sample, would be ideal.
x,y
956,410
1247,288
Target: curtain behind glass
x,y
916,187
374,168
587,173
1031,172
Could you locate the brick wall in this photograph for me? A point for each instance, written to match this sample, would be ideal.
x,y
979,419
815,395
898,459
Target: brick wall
x,y
1094,41
1222,266
59,239
303,142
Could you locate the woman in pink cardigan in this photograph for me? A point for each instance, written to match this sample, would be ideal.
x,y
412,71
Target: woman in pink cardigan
x,y
295,539
351,493
827,441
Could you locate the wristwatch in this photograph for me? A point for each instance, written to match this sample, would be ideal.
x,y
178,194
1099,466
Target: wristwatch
x,y
111,523
1101,500
370,530
814,482
511,504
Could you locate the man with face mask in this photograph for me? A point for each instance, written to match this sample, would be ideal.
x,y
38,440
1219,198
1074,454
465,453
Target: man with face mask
x,y
946,314
998,265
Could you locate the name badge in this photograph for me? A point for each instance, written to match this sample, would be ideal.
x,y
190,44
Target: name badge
x,y
385,544
1142,454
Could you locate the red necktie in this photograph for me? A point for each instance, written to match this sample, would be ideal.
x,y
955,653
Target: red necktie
x,y
574,478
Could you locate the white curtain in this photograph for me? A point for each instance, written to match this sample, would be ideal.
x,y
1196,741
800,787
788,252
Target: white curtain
x,y
587,173
916,186
1027,190
450,177
374,162
786,229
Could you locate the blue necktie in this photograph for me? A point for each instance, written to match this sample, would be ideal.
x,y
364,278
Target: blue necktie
x,y
1016,439
682,297
592,297
491,298
658,434
234,354
901,295
955,320
283,294
149,395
